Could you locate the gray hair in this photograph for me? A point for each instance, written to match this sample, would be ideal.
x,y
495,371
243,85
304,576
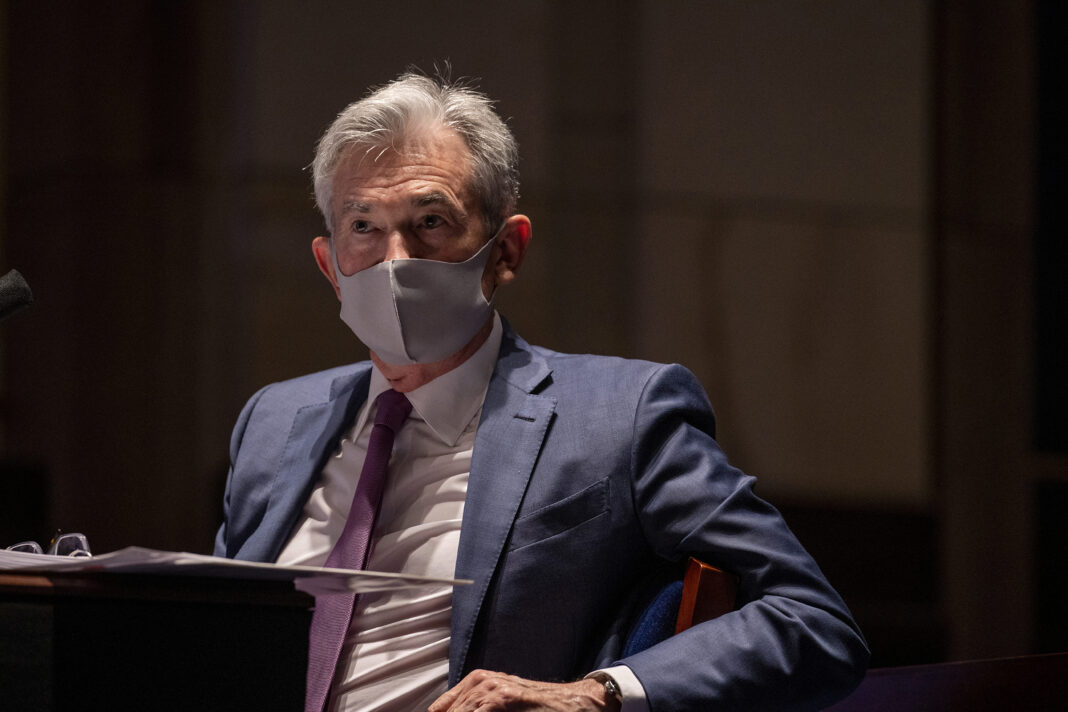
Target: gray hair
x,y
390,114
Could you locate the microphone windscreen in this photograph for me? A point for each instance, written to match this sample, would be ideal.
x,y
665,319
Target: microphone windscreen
x,y
15,294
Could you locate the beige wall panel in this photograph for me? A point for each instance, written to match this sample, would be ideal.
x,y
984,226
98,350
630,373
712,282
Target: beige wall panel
x,y
801,101
679,302
810,341
783,181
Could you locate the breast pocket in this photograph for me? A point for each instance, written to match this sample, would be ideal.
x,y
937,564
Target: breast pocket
x,y
560,516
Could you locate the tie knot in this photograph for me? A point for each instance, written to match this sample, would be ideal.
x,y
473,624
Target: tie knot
x,y
393,408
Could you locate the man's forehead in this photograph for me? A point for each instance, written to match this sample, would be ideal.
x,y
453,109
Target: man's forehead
x,y
417,199
432,172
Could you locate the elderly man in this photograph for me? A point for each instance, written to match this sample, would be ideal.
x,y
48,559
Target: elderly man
x,y
560,484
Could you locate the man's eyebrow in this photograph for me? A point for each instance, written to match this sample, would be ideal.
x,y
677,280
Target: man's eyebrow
x,y
436,198
354,206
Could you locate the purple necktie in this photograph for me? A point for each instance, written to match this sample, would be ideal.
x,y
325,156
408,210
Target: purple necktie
x,y
332,613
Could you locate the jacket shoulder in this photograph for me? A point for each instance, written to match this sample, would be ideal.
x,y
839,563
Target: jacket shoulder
x,y
627,375
313,387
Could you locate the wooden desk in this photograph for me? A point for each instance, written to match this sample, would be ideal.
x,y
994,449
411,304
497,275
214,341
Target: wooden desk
x,y
130,642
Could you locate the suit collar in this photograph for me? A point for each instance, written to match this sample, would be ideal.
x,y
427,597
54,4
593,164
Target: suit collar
x,y
520,364
351,384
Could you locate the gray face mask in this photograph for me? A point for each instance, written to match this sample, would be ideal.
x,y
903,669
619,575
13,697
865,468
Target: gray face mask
x,y
416,311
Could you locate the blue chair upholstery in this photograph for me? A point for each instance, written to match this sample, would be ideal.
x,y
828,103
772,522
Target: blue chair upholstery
x,y
657,622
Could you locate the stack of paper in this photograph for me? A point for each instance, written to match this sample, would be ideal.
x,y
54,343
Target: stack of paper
x,y
313,580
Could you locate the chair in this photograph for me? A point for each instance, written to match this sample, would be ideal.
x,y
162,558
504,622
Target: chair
x,y
704,593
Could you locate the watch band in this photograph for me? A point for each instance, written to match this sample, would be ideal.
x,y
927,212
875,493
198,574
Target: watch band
x,y
610,685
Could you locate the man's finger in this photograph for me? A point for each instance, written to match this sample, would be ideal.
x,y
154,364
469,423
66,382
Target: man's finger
x,y
447,700
496,692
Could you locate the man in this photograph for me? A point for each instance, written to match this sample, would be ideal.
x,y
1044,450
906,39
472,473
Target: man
x,y
562,485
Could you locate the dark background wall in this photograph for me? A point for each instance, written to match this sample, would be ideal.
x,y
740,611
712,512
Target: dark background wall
x,y
842,216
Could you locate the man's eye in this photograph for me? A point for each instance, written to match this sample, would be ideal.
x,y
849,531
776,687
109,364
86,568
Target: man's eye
x,y
361,226
432,221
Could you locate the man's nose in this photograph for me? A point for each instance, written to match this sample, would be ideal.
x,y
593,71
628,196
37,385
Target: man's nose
x,y
396,247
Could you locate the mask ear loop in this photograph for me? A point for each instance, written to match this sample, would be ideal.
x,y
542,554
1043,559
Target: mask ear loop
x,y
338,274
492,241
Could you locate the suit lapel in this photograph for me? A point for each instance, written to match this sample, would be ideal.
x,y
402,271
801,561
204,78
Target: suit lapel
x,y
313,437
510,435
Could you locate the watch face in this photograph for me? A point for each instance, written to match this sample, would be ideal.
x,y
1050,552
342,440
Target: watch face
x,y
610,685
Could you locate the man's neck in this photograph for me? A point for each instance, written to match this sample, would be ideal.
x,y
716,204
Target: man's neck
x,y
408,377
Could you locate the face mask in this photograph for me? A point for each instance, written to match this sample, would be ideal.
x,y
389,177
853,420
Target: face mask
x,y
414,310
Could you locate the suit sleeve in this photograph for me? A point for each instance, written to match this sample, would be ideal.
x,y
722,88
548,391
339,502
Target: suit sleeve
x,y
792,643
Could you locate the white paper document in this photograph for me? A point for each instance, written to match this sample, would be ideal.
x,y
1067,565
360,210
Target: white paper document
x,y
313,580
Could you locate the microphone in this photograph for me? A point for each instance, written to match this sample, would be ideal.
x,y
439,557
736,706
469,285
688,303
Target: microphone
x,y
15,294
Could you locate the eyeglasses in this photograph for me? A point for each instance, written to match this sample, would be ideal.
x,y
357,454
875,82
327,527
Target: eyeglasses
x,y
71,544
27,547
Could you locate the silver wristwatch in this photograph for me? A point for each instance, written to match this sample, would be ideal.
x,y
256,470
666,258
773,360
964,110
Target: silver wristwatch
x,y
610,685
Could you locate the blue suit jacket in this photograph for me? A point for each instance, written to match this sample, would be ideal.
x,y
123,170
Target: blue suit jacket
x,y
591,479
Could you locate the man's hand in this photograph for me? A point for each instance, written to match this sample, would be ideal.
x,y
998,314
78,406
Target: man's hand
x,y
489,691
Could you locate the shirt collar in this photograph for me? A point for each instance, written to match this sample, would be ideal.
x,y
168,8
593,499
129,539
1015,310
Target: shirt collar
x,y
449,402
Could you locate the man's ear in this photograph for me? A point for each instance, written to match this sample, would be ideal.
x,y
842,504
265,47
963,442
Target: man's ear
x,y
321,250
512,243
